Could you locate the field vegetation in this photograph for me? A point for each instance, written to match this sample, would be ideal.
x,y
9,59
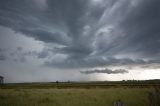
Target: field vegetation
x,y
76,94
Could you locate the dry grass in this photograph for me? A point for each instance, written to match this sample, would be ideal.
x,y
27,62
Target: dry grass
x,y
74,97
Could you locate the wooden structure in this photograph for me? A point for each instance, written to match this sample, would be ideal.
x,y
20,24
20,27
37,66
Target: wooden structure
x,y
1,80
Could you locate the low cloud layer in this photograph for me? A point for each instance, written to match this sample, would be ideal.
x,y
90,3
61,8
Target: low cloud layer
x,y
106,71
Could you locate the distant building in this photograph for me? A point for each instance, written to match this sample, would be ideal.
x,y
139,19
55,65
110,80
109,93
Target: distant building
x,y
1,80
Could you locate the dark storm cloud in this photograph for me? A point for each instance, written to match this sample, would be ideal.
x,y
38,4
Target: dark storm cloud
x,y
43,54
23,16
21,55
106,70
150,66
2,56
88,33
92,62
142,28
17,55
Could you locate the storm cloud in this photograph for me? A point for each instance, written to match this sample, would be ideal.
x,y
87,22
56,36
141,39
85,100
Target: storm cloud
x,y
86,30
82,34
2,56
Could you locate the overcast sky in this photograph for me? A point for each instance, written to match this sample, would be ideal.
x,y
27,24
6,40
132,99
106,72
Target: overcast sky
x,y
79,40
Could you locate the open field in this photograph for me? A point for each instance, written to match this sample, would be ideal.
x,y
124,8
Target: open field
x,y
87,85
75,94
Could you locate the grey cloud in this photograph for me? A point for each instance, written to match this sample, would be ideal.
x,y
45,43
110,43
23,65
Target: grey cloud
x,y
49,37
2,57
106,70
141,29
79,35
26,21
21,55
89,35
1,50
136,31
92,62
45,53
150,66
19,48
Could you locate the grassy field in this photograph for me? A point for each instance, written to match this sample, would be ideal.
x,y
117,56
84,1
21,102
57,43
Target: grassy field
x,y
73,97
48,95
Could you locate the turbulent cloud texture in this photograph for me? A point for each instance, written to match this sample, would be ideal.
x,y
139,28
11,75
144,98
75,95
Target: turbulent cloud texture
x,y
88,33
83,34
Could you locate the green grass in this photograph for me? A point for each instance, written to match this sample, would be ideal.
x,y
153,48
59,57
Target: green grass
x,y
74,97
